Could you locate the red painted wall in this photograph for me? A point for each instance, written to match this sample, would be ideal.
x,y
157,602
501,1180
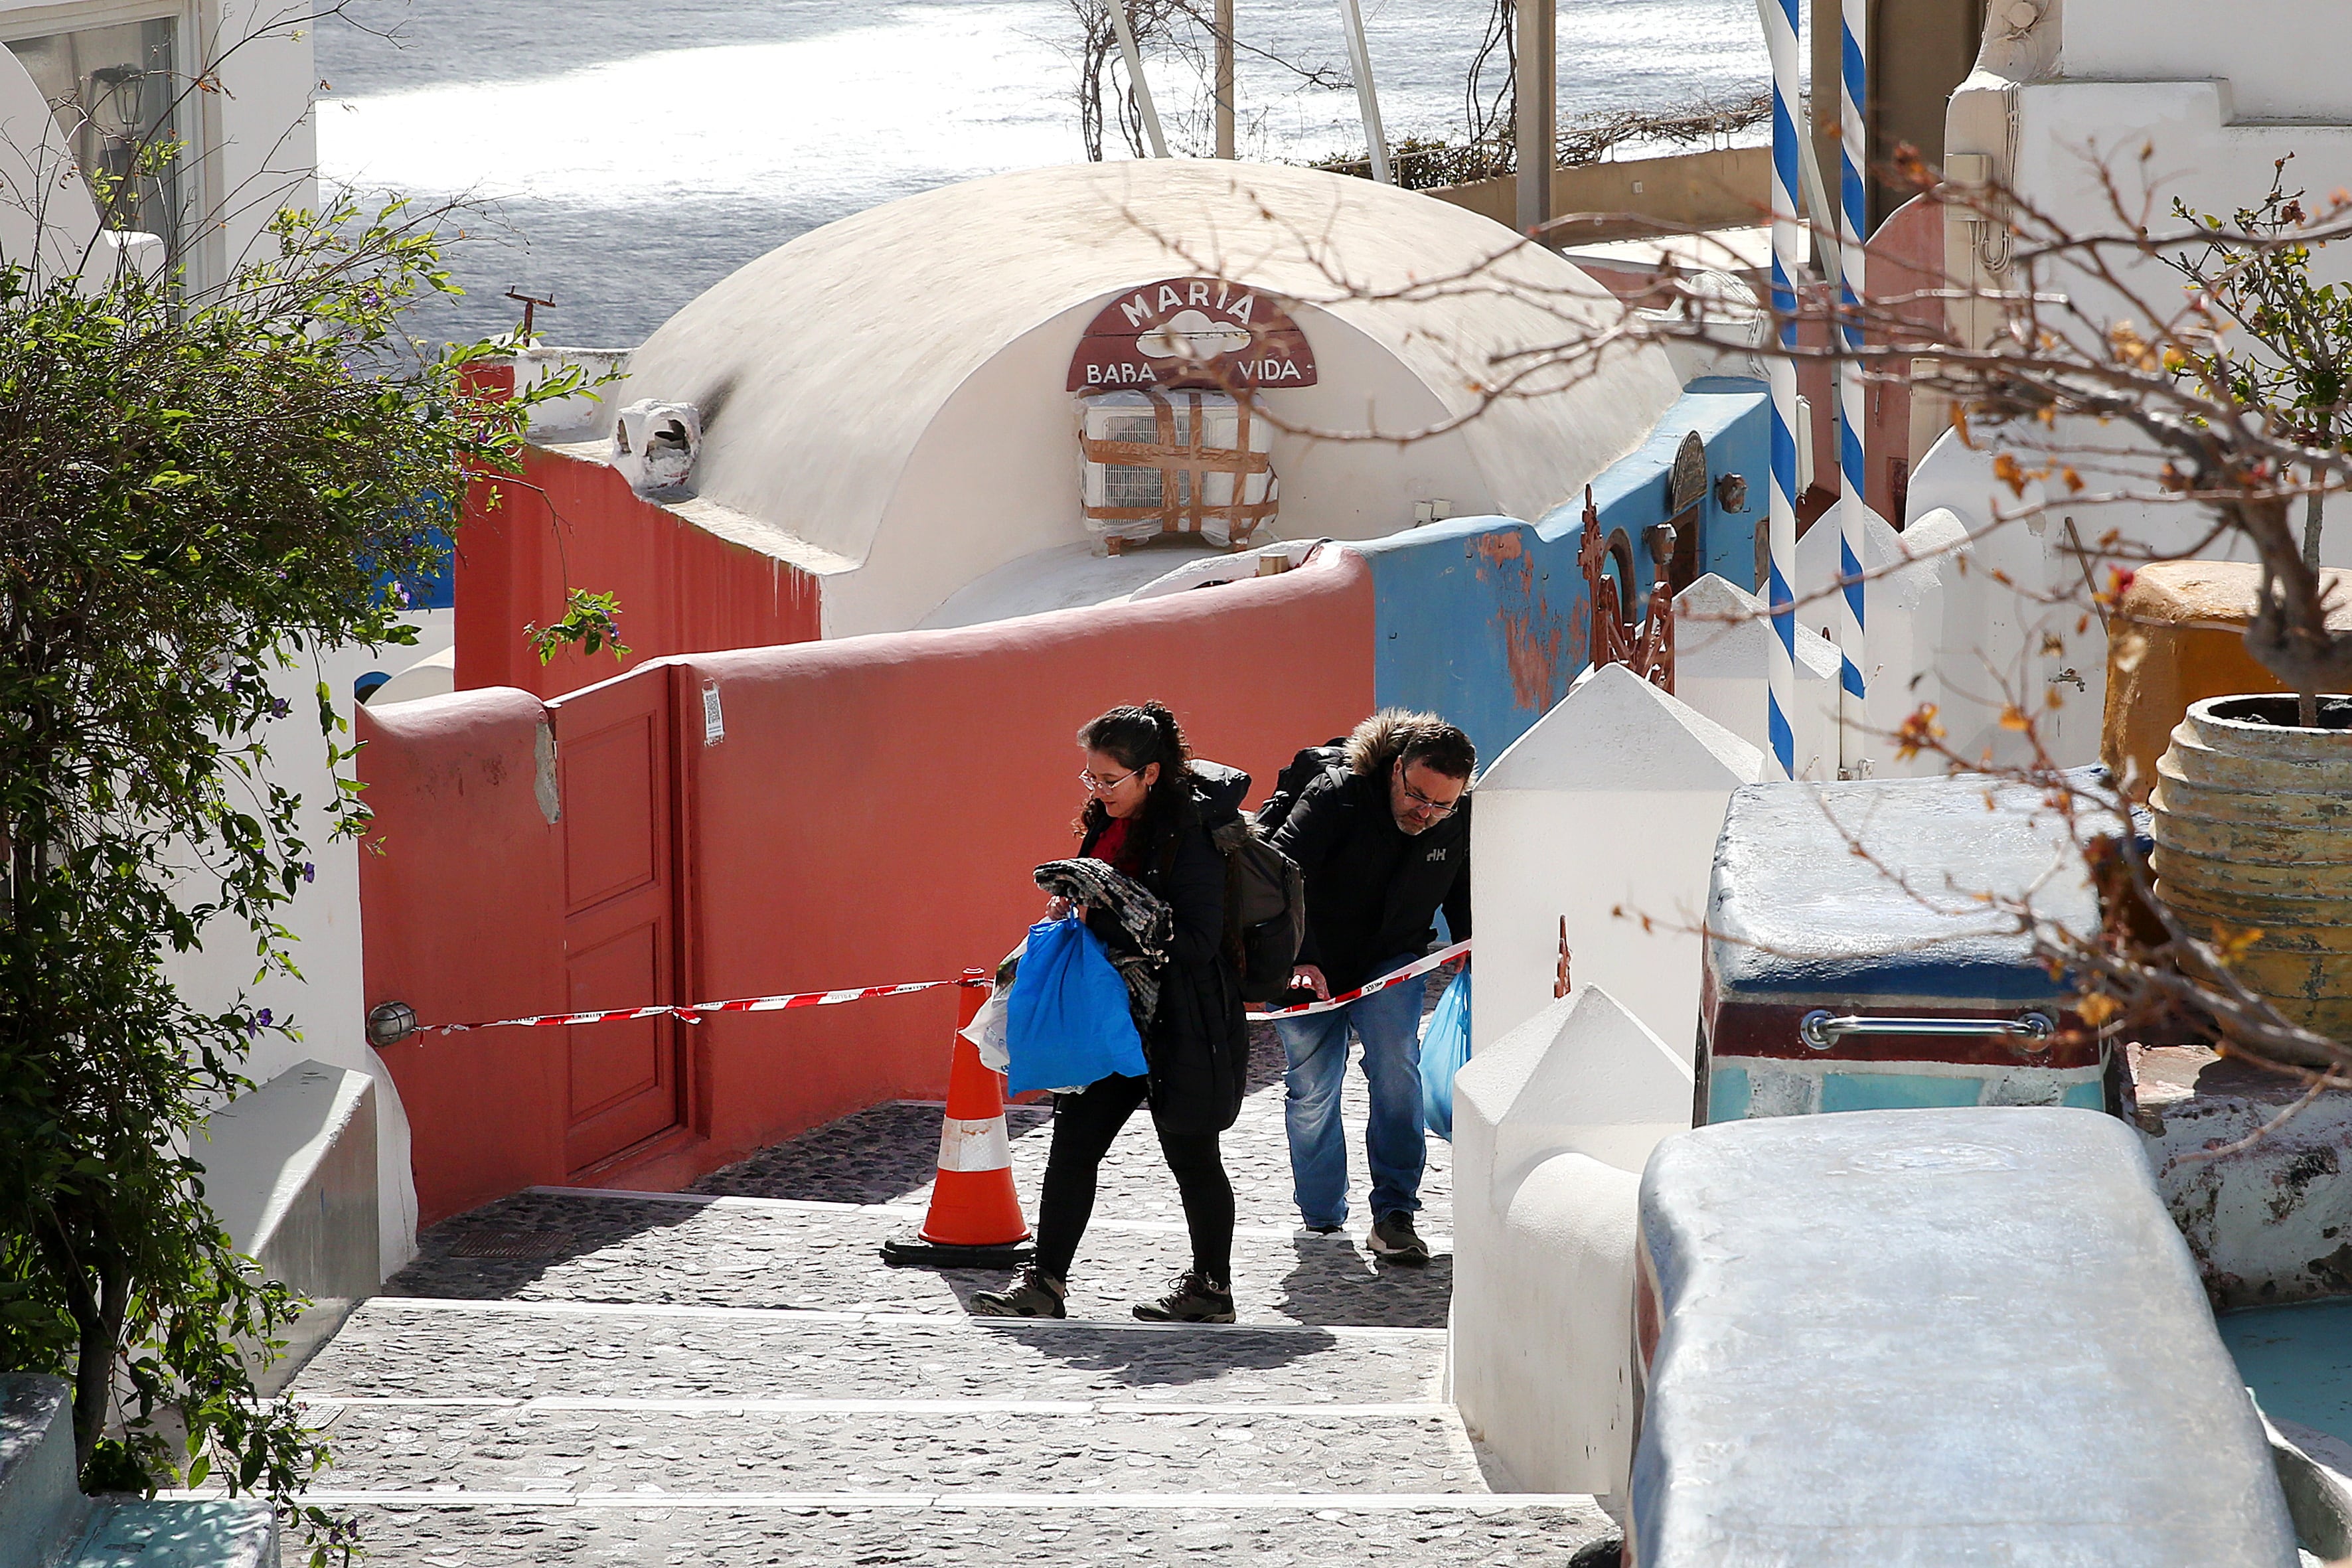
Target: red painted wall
x,y
461,880
871,815
1906,265
568,523
877,807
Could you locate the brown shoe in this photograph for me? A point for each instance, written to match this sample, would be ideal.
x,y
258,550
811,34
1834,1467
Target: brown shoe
x,y
1033,1295
1196,1298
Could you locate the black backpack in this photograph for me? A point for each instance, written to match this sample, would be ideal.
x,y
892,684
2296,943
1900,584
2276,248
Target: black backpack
x,y
1266,896
1291,783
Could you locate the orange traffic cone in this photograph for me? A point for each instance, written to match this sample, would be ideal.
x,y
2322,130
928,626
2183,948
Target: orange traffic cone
x,y
974,1220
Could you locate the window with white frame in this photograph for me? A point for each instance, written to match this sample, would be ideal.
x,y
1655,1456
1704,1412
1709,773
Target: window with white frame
x,y
116,93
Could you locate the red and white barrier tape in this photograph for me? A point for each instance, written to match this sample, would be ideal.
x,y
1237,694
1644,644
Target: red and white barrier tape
x,y
691,1012
1414,971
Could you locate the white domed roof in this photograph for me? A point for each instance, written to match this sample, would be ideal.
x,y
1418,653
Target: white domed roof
x,y
819,366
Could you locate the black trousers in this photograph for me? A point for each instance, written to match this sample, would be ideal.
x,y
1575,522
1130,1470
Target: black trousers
x,y
1084,1127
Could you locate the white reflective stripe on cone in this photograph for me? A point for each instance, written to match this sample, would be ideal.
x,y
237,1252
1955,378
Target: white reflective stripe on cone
x,y
975,1145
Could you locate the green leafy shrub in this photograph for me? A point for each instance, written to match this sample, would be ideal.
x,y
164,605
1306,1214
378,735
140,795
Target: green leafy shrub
x,y
199,493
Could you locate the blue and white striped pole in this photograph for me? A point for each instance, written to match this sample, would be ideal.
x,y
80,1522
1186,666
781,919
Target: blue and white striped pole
x,y
1854,222
1780,18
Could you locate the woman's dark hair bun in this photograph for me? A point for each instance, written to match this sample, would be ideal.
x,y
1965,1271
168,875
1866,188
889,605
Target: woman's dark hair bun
x,y
1139,737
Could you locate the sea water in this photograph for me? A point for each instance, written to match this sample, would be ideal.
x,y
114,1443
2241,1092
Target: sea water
x,y
2298,1361
626,156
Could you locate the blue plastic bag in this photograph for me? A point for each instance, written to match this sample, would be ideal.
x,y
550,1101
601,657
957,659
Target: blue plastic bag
x,y
1066,1020
1445,1047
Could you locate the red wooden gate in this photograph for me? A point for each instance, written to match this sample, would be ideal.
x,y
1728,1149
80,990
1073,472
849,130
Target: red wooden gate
x,y
615,756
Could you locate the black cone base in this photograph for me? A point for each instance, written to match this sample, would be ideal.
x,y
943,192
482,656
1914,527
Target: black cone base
x,y
914,1252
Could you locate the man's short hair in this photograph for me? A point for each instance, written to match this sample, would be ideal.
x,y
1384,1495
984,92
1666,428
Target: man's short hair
x,y
1441,748
1402,735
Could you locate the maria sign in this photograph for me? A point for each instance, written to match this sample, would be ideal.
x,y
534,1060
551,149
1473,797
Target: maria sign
x,y
1192,332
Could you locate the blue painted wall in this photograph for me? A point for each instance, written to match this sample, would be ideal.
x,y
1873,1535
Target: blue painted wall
x,y
428,521
1484,621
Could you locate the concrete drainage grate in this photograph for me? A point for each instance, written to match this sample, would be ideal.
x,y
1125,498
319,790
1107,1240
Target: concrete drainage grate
x,y
518,1244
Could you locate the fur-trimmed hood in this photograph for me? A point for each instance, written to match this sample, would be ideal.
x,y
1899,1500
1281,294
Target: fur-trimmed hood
x,y
1373,745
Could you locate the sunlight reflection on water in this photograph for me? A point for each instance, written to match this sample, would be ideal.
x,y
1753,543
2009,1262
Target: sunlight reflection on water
x,y
635,156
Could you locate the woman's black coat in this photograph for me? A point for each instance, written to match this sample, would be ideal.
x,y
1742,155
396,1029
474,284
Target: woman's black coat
x,y
1197,1045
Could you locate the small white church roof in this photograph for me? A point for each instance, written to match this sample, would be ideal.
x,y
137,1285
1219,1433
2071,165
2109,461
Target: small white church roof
x,y
819,367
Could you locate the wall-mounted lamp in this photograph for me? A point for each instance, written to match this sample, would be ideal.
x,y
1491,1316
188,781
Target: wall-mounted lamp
x,y
389,1023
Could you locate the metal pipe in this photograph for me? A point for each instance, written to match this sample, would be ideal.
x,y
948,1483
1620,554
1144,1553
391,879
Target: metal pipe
x,y
1359,64
1821,1028
1821,214
1225,26
1536,128
1134,57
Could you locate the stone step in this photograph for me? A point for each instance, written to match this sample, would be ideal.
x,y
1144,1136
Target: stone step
x,y
414,1348
622,1531
887,1154
181,1532
603,1247
1040,1446
45,1521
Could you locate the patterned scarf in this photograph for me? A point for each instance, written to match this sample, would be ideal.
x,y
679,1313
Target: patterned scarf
x,y
1138,948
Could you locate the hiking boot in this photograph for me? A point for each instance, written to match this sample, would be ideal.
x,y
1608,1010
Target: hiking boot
x,y
1394,1239
1033,1295
1195,1300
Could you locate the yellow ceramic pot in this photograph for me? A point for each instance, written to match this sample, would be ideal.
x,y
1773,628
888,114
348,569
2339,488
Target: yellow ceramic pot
x,y
2253,831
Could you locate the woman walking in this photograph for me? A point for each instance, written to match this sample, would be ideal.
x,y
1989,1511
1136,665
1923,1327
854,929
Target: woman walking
x,y
1147,816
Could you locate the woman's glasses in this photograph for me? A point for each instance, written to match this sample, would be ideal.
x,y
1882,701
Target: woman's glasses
x,y
1101,786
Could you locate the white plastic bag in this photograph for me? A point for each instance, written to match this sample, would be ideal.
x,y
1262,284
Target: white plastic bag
x,y
987,1027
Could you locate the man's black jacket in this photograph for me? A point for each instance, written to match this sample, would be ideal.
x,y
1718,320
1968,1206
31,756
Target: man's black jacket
x,y
1372,890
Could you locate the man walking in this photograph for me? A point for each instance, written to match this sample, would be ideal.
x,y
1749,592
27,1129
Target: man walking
x,y
1383,841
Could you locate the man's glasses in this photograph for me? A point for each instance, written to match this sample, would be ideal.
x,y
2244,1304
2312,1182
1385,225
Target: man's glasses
x,y
1422,802
1099,786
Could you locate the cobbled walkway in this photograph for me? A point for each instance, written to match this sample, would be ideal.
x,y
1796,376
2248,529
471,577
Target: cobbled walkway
x,y
733,1376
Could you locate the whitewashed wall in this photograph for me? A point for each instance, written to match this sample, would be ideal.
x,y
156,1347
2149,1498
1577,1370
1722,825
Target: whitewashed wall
x,y
260,138
2011,605
1722,668
995,475
1552,1124
1603,813
2101,113
2104,113
326,1004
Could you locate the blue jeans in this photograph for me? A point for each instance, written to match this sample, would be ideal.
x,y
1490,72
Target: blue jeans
x,y
1389,1024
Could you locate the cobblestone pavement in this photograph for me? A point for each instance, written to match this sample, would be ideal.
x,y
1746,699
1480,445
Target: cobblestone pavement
x,y
885,1155
1053,1446
755,1254
614,1378
394,1349
947,1535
